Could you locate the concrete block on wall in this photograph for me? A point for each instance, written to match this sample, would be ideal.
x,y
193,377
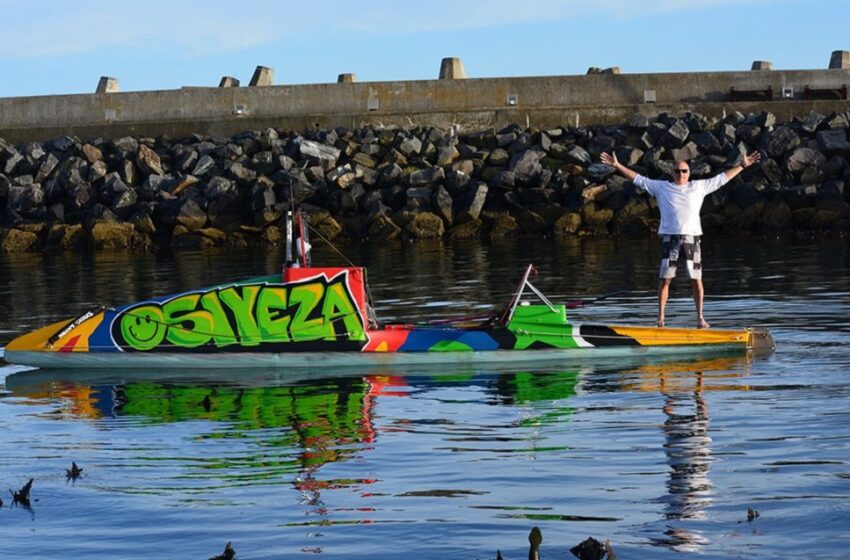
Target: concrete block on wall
x,y
761,65
840,60
107,85
452,69
263,76
228,81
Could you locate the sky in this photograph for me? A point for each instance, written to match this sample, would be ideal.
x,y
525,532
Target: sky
x,y
52,47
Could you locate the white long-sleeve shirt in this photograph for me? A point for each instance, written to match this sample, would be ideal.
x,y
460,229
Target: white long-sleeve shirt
x,y
680,205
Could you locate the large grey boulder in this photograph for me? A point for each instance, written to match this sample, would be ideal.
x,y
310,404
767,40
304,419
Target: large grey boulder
x,y
833,141
781,141
803,158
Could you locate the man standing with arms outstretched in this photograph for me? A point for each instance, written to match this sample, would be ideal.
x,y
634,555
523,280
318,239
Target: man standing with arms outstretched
x,y
680,202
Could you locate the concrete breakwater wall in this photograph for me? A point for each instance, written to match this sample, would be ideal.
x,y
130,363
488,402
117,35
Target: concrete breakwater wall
x,y
416,183
545,102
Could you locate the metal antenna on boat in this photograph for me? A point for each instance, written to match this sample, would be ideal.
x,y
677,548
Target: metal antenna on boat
x,y
509,311
289,262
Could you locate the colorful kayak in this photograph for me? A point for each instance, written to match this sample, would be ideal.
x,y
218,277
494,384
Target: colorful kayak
x,y
322,317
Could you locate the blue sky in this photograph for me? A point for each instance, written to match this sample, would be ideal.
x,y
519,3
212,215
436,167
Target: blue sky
x,y
64,46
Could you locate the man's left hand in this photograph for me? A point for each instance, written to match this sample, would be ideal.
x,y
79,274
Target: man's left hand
x,y
750,159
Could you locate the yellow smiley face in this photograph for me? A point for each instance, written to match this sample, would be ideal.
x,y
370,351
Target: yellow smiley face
x,y
143,328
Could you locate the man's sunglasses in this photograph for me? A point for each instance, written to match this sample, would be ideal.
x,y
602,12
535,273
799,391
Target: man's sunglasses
x,y
682,171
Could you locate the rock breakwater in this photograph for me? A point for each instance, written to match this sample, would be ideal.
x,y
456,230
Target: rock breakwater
x,y
416,183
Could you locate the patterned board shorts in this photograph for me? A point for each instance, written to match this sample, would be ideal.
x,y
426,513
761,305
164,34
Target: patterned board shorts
x,y
676,247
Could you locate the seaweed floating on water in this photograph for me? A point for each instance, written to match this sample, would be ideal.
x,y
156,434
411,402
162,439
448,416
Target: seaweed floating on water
x,y
22,497
74,472
228,554
535,537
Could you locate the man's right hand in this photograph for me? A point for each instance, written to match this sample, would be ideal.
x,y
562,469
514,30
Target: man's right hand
x,y
609,159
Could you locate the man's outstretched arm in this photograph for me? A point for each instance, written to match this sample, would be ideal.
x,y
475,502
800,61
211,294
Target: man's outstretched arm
x,y
611,159
746,161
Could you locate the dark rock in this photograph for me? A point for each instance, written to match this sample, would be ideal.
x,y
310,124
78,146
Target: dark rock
x,y
504,225
97,171
595,219
187,161
498,158
577,155
705,142
628,156
812,121
675,136
470,208
424,225
64,144
837,121
744,194
525,166
781,141
383,228
80,197
366,175
532,223
125,145
123,203
833,141
568,224
45,169
506,139
106,235
129,172
771,171
325,156
12,163
803,158
148,161
481,139
466,230
589,549
241,173
219,187
65,237
748,133
441,202
599,172
389,175
204,166
688,152
18,241
427,177
776,217
91,153
365,160
24,200
637,121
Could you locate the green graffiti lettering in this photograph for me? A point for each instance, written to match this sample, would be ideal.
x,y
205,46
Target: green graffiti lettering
x,y
307,298
247,315
338,305
242,306
221,330
144,327
272,316
186,326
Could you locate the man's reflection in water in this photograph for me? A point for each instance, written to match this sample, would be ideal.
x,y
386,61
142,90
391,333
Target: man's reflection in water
x,y
688,451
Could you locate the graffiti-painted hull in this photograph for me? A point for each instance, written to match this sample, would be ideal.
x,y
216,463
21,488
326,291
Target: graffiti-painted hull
x,y
319,318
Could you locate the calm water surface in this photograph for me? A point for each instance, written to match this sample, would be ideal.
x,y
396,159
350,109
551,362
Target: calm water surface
x,y
662,458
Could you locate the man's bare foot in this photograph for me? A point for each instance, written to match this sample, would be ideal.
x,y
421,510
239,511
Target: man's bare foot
x,y
702,324
659,322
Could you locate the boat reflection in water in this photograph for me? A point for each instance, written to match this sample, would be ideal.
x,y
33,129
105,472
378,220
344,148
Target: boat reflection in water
x,y
322,420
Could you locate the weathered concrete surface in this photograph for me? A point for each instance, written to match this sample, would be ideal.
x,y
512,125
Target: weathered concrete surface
x,y
540,101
